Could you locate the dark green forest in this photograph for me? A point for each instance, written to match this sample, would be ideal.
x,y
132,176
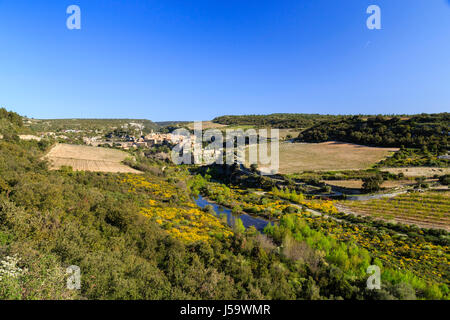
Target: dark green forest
x,y
418,131
276,120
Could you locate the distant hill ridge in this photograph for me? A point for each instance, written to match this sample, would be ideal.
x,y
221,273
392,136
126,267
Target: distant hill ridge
x,y
288,120
276,120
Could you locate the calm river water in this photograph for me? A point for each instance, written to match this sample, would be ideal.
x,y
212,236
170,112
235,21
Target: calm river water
x,y
247,220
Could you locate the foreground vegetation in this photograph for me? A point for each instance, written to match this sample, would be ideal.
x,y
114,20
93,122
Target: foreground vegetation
x,y
411,258
143,237
107,224
50,220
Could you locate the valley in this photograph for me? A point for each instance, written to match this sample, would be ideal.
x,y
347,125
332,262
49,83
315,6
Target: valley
x,y
129,217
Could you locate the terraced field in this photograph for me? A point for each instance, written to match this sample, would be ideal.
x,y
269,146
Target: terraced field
x,y
86,158
429,210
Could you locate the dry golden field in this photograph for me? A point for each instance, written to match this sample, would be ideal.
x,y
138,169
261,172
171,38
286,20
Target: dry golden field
x,y
357,184
353,184
328,156
285,132
86,158
208,125
419,171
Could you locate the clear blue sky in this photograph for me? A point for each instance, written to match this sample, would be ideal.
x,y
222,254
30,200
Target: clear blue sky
x,y
194,60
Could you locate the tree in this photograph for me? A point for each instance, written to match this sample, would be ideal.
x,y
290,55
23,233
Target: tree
x,y
373,183
421,182
445,180
254,167
238,226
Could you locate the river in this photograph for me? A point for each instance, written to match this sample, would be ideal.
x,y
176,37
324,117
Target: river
x,y
247,220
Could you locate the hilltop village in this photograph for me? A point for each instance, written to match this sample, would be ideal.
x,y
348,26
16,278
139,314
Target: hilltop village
x,y
123,134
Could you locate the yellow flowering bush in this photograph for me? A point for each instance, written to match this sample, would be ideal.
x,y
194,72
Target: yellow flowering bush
x,y
185,220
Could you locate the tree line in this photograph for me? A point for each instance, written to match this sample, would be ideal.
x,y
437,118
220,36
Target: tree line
x,y
276,120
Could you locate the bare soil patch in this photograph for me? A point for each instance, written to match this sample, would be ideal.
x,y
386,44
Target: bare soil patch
x,y
29,137
419,171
